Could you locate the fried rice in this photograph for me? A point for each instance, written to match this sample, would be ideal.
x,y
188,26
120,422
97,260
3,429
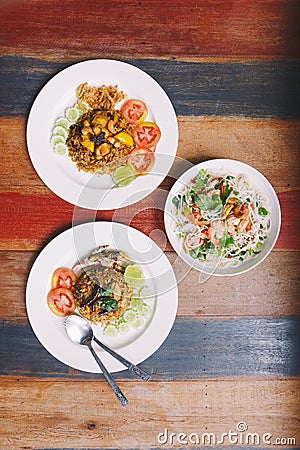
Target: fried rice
x,y
103,277
94,142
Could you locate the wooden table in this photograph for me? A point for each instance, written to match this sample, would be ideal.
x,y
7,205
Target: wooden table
x,y
232,73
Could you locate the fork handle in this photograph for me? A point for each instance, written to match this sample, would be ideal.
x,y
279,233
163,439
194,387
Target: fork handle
x,y
117,391
139,373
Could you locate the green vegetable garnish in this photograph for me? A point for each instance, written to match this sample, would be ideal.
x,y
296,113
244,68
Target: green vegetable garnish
x,y
205,203
262,211
109,304
175,201
226,241
225,194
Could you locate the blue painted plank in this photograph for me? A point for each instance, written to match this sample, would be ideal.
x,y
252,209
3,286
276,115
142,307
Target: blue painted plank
x,y
256,89
194,350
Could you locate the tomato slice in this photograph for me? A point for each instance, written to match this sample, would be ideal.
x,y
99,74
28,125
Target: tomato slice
x,y
63,278
146,134
134,111
61,301
141,160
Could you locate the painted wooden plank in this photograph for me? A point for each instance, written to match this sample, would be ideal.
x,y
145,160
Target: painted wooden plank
x,y
258,89
86,415
195,349
208,28
271,146
44,216
278,289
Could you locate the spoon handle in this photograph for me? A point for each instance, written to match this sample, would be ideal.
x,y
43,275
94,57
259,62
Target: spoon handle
x,y
140,373
117,391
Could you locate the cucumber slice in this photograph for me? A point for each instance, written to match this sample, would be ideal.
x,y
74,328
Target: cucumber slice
x,y
82,107
62,122
146,293
56,139
60,131
61,149
123,176
145,311
123,327
134,276
72,114
111,331
137,323
130,316
136,303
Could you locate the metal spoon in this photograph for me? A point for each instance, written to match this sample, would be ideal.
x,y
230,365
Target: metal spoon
x,y
137,371
80,332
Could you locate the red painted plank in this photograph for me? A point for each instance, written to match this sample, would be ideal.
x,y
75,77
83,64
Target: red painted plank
x,y
30,220
163,28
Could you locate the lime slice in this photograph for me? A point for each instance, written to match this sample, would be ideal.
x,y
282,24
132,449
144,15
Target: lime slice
x,y
82,107
123,176
60,131
130,316
72,114
137,323
123,328
136,303
56,139
62,122
134,276
61,149
111,331
144,311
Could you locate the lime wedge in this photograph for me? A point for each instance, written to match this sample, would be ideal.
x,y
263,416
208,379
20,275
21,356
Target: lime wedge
x,y
123,176
111,331
56,139
61,149
62,122
134,276
60,131
72,114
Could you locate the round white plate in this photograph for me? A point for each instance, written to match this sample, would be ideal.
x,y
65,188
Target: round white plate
x,y
258,181
60,173
64,251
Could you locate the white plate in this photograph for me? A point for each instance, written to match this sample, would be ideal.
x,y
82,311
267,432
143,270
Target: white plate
x,y
64,251
60,173
258,181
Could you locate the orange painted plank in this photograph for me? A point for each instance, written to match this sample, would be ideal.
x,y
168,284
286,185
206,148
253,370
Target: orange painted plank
x,y
30,220
177,28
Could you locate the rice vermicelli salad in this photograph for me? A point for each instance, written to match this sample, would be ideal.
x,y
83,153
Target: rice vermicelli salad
x,y
221,218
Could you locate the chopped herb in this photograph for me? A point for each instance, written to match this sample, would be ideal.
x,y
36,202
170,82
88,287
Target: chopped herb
x,y
109,304
175,201
248,200
262,211
226,241
258,245
105,292
230,177
241,259
205,203
225,194
236,192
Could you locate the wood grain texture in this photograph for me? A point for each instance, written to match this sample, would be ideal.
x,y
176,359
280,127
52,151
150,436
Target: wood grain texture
x,y
37,415
276,294
29,221
194,349
260,30
258,89
269,145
